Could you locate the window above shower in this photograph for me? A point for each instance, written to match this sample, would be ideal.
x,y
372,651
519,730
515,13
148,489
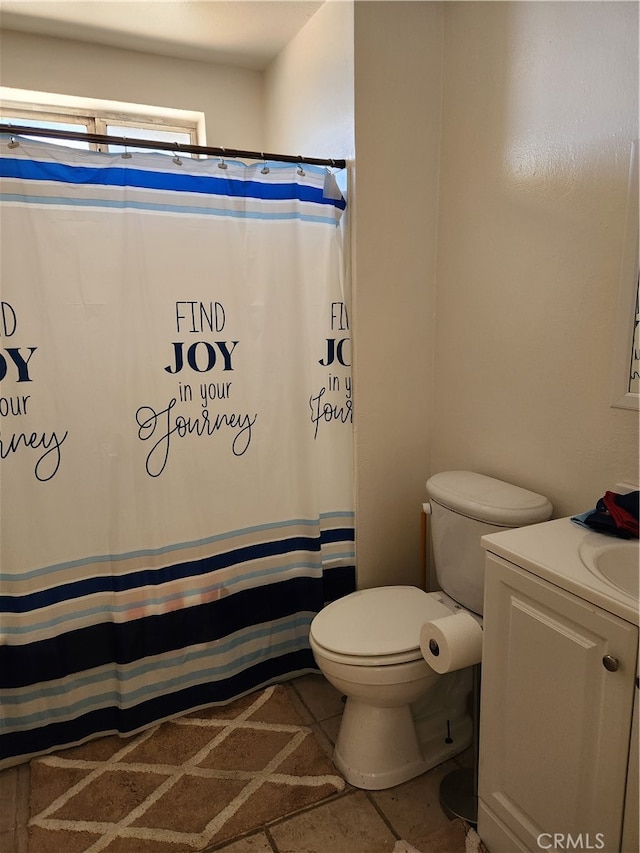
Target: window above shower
x,y
107,118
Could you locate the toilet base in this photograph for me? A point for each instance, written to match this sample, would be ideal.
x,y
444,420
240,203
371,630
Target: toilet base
x,y
378,748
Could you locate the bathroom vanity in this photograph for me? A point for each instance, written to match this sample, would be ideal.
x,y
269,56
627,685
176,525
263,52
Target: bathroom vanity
x,y
558,766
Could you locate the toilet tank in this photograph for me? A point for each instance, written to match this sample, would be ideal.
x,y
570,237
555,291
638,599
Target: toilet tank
x,y
464,507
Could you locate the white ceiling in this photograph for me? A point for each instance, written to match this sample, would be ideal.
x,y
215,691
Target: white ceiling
x,y
245,33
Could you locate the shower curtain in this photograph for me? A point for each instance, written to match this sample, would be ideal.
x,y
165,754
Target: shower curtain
x,y
176,497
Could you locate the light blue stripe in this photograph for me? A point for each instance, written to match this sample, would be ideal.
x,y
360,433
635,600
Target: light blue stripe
x,y
300,621
341,555
168,549
115,697
164,208
345,513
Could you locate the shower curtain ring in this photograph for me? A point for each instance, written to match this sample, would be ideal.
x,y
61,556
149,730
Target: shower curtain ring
x,y
301,171
13,143
126,155
222,164
176,158
265,169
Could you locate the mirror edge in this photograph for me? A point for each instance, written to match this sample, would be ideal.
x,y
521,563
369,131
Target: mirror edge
x,y
622,396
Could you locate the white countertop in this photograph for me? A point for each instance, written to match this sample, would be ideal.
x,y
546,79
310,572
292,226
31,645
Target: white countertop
x,y
550,551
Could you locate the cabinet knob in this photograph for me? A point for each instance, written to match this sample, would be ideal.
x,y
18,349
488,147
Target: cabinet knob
x,y
610,663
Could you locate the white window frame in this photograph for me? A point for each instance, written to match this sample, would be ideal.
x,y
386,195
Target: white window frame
x,y
95,115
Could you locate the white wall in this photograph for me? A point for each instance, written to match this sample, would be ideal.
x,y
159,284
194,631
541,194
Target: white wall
x,y
231,98
540,107
308,106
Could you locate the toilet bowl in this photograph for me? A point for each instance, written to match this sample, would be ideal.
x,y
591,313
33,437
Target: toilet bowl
x,y
400,717
367,645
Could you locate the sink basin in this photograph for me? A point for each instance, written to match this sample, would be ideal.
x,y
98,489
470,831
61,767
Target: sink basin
x,y
617,563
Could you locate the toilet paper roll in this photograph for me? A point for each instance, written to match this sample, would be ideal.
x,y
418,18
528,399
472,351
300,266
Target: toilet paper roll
x,y
451,642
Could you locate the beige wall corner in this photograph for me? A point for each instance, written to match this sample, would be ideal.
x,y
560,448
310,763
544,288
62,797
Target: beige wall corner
x,y
398,85
308,89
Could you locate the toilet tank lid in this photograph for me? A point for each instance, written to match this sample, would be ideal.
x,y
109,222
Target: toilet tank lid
x,y
487,499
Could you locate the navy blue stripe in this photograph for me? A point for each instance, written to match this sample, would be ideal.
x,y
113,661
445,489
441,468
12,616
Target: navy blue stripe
x,y
156,577
116,176
338,534
339,582
127,720
123,643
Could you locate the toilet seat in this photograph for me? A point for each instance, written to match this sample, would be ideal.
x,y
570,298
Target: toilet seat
x,y
368,661
376,627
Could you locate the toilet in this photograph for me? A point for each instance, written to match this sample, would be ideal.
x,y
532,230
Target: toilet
x,y
401,717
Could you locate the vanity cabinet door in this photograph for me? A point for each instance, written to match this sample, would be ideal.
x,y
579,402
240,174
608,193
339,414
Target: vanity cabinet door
x,y
557,692
630,826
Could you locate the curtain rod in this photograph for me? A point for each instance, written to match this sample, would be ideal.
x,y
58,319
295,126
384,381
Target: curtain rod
x,y
174,147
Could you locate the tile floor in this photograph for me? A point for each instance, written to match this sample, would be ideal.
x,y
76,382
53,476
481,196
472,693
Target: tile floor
x,y
354,821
